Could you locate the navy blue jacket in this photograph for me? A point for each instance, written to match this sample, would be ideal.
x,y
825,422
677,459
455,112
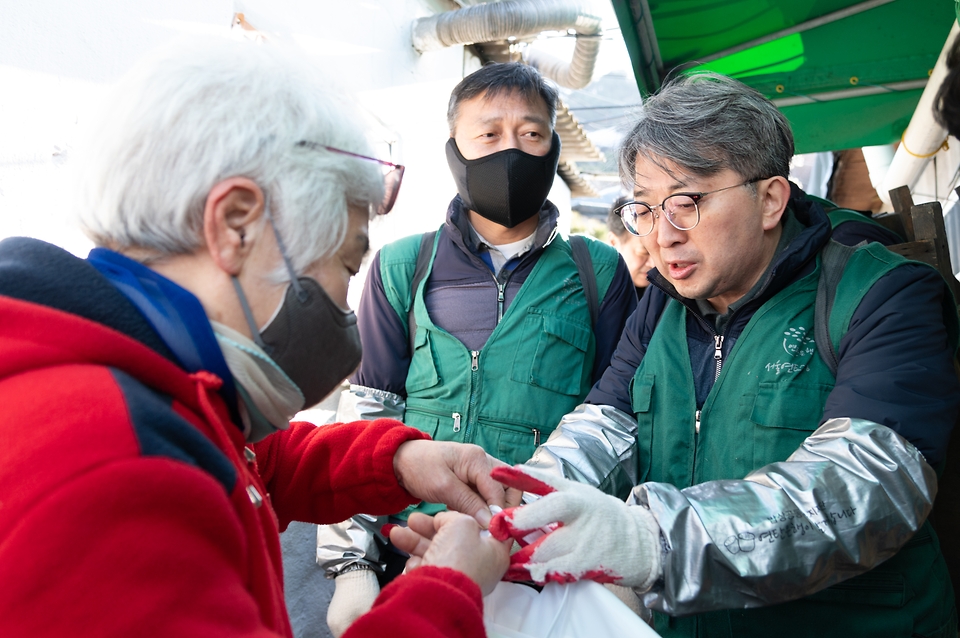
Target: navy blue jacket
x,y
895,370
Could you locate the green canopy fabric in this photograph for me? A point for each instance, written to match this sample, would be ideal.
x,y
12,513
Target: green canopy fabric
x,y
846,73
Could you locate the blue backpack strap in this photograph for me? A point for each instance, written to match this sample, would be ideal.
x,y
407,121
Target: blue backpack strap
x,y
588,279
833,259
600,268
424,257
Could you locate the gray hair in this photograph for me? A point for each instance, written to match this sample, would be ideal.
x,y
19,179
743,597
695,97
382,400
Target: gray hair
x,y
184,120
497,78
705,123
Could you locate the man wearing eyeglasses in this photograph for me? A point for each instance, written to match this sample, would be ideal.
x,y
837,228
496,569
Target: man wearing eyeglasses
x,y
764,491
496,341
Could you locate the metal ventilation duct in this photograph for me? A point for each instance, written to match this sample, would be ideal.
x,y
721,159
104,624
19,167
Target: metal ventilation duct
x,y
519,19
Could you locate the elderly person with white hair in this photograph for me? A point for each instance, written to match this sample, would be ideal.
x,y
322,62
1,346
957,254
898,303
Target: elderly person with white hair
x,y
148,461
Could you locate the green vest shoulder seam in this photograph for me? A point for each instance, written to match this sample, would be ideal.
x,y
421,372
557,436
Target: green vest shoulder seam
x,y
398,261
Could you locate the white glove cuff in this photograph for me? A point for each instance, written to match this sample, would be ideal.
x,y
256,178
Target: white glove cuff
x,y
354,596
649,559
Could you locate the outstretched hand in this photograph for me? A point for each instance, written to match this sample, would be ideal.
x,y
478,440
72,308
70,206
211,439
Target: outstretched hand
x,y
576,532
453,540
455,474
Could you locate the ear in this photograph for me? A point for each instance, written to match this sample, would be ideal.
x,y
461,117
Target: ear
x,y
774,193
613,240
231,222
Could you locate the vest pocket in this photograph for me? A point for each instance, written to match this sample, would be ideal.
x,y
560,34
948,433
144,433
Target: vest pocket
x,y
641,396
552,353
423,365
427,423
786,416
512,444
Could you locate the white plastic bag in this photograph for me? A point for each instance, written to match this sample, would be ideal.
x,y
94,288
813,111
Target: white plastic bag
x,y
579,610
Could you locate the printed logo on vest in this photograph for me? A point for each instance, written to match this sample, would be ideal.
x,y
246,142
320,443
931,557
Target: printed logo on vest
x,y
798,343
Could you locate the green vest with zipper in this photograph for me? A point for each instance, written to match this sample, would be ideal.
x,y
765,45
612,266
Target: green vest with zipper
x,y
536,366
768,398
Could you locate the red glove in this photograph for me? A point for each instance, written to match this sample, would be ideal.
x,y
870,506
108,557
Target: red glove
x,y
576,532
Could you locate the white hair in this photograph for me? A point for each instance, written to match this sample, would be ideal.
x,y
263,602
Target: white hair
x,y
182,121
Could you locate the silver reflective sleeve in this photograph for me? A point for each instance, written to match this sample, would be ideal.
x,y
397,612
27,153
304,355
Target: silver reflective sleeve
x,y
594,444
846,500
352,541
361,403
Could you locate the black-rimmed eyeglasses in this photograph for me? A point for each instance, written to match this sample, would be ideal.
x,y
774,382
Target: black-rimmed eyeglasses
x,y
392,173
682,210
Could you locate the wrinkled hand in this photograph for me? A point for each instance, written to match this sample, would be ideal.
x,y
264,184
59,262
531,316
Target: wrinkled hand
x,y
455,474
353,596
453,540
576,532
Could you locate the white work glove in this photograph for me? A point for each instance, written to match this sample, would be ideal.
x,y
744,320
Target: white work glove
x,y
353,596
576,532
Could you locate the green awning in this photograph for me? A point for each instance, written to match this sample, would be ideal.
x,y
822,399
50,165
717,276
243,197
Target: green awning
x,y
846,73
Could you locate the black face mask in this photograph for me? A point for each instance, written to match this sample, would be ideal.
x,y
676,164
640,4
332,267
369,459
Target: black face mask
x,y
507,187
313,340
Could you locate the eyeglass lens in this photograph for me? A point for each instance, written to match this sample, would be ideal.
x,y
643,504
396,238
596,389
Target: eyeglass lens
x,y
392,176
681,211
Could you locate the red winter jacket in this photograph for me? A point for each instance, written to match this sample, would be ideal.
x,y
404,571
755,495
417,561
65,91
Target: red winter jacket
x,y
130,507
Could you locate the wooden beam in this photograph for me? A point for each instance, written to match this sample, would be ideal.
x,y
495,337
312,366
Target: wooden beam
x,y
928,226
902,203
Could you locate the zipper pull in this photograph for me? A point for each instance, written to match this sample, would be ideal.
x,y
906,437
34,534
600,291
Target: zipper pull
x,y
254,496
697,424
718,354
536,437
500,287
474,360
456,421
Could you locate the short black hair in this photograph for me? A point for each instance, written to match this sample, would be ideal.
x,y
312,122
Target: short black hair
x,y
614,223
947,102
497,78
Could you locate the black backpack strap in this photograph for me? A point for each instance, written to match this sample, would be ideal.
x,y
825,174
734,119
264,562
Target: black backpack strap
x,y
833,259
588,279
419,272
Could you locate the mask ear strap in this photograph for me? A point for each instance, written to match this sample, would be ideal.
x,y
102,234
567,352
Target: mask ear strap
x,y
297,288
254,330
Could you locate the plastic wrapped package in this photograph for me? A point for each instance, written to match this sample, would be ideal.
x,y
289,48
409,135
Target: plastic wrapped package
x,y
577,610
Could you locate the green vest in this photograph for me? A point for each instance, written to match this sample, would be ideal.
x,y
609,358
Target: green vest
x,y
768,398
536,366
839,216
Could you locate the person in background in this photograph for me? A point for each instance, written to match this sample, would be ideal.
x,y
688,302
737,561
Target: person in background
x,y
773,479
498,338
947,101
630,247
148,462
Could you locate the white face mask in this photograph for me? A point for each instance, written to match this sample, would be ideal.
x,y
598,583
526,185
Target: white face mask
x,y
268,398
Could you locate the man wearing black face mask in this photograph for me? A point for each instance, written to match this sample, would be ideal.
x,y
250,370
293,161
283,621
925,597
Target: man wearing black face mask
x,y
498,337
